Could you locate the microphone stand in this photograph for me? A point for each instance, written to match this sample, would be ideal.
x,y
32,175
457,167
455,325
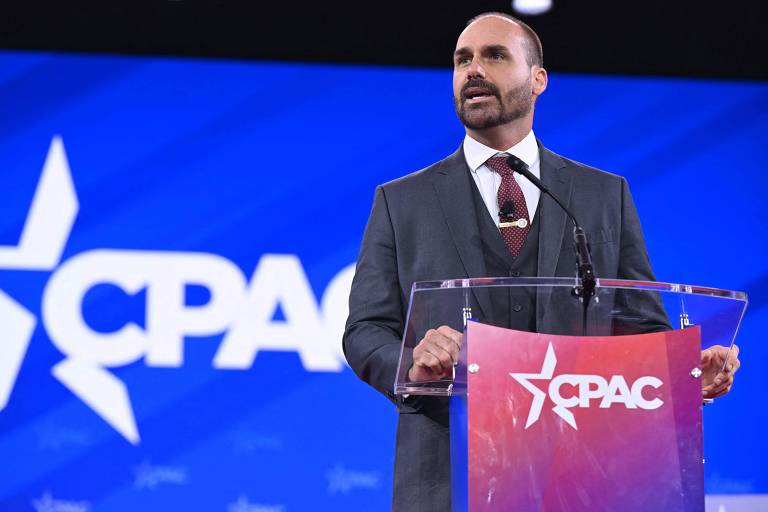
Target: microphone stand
x,y
586,273
585,269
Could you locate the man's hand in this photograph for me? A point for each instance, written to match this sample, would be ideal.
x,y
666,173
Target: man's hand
x,y
714,382
435,355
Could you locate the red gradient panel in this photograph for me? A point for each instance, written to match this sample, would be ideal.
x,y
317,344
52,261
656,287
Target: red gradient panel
x,y
626,435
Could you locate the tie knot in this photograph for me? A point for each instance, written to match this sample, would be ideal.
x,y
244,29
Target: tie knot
x,y
498,164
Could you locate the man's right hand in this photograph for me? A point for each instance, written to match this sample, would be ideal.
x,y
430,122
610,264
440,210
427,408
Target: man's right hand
x,y
435,355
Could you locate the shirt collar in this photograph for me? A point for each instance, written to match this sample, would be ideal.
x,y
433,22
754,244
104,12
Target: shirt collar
x,y
477,153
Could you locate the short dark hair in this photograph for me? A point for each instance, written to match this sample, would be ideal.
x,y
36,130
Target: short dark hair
x,y
534,53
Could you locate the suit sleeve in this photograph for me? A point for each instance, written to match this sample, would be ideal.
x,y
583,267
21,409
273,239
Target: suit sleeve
x,y
633,256
638,311
374,328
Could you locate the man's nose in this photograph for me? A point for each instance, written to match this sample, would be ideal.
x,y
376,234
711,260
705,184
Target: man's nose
x,y
475,70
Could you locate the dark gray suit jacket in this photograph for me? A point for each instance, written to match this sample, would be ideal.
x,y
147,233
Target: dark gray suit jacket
x,y
423,227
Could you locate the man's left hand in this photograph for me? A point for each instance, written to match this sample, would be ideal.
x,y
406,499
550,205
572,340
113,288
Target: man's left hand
x,y
717,373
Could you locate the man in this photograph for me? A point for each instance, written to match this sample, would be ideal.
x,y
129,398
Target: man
x,y
442,222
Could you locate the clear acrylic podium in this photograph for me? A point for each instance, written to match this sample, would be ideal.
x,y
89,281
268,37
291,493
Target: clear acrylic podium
x,y
549,412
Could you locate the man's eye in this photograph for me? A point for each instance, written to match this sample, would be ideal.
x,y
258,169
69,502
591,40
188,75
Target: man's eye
x,y
497,56
462,61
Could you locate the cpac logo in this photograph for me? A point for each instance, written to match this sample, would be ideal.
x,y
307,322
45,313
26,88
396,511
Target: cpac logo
x,y
241,308
583,389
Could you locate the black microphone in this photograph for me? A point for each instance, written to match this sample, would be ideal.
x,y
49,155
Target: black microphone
x,y
585,268
507,209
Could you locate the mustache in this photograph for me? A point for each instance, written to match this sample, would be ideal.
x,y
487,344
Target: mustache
x,y
479,82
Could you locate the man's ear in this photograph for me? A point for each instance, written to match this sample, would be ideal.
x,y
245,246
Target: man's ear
x,y
539,80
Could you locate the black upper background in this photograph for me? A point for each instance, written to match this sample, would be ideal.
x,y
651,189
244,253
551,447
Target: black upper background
x,y
701,38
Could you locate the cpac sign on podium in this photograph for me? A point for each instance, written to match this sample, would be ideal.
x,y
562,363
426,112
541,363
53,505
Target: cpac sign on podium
x,y
575,416
587,424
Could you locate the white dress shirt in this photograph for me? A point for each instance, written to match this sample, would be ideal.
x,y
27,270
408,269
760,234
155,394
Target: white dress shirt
x,y
488,181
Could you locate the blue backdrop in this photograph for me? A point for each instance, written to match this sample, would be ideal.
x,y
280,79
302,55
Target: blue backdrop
x,y
206,215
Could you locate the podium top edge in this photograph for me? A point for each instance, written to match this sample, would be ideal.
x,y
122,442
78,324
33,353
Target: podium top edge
x,y
483,282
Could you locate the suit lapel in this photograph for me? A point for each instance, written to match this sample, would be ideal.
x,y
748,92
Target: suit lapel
x,y
553,219
452,184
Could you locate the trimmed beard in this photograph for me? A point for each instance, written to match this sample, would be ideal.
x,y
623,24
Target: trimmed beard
x,y
516,104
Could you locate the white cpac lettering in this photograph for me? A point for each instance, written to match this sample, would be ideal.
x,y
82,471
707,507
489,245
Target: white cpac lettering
x,y
554,390
581,389
279,280
617,393
311,331
595,387
637,393
168,319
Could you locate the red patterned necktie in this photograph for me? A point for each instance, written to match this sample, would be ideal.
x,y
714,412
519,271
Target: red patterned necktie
x,y
510,191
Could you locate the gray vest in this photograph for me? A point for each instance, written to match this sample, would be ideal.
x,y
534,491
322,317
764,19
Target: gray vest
x,y
514,307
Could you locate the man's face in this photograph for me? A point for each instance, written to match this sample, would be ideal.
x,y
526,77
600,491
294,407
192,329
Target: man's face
x,y
491,78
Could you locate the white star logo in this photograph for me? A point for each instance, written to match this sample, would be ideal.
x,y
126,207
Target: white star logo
x,y
46,230
547,370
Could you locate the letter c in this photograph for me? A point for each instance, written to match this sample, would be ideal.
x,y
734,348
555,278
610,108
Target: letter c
x,y
637,392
